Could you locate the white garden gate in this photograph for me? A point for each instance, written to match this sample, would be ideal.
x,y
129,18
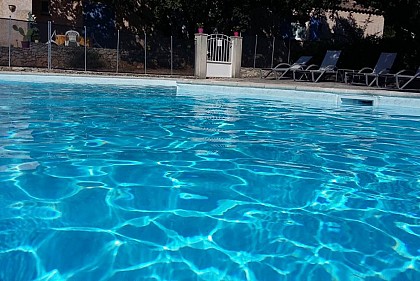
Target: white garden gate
x,y
219,56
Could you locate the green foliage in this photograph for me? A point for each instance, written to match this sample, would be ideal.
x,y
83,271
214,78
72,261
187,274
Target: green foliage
x,y
263,17
402,17
402,29
26,35
173,17
269,18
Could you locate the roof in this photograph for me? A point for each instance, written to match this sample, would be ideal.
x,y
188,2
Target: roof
x,y
353,6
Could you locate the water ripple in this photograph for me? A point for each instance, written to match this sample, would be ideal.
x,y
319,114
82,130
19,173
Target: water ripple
x,y
130,183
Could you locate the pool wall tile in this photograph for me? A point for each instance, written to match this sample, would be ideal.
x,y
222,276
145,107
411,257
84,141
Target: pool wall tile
x,y
263,93
288,92
74,79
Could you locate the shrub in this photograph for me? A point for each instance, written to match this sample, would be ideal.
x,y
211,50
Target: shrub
x,y
93,59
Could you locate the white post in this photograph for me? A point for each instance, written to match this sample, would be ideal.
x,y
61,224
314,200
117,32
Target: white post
x,y
236,56
118,48
145,53
85,50
172,56
49,45
200,69
10,26
255,49
272,52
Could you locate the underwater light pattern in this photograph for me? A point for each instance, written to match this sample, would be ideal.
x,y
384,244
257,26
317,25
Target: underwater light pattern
x,y
128,183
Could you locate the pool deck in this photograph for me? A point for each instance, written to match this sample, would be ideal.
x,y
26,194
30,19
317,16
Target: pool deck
x,y
256,82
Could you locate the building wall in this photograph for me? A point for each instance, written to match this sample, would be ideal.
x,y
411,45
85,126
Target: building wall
x,y
373,25
67,14
23,7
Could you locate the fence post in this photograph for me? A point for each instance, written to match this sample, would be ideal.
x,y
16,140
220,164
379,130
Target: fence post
x,y
171,55
8,40
85,50
200,61
255,49
145,53
118,48
49,45
236,57
272,52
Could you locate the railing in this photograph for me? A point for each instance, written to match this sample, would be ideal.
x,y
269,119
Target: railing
x,y
110,50
96,50
107,49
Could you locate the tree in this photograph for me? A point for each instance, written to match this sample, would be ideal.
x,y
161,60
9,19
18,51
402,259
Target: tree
x,y
256,16
402,29
402,17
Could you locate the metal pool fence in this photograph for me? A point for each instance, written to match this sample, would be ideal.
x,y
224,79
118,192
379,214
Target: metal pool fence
x,y
106,49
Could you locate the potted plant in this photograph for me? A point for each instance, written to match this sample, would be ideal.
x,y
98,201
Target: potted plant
x,y
35,34
32,32
27,36
200,27
32,24
236,30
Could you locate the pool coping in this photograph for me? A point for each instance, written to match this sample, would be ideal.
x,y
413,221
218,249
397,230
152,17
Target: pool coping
x,y
299,86
333,87
327,91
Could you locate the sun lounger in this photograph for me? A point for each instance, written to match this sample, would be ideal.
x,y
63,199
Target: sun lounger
x,y
52,41
400,80
315,73
403,80
283,69
369,76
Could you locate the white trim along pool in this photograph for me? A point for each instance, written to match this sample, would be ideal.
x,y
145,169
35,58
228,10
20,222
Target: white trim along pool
x,y
291,92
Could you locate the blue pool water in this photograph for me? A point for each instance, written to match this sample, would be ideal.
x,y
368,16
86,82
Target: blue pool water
x,y
104,182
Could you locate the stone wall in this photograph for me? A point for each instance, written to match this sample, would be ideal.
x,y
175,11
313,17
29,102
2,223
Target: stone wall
x,y
62,57
98,59
65,57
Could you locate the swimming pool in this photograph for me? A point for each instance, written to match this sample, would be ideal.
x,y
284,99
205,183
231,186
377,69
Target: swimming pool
x,y
118,182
